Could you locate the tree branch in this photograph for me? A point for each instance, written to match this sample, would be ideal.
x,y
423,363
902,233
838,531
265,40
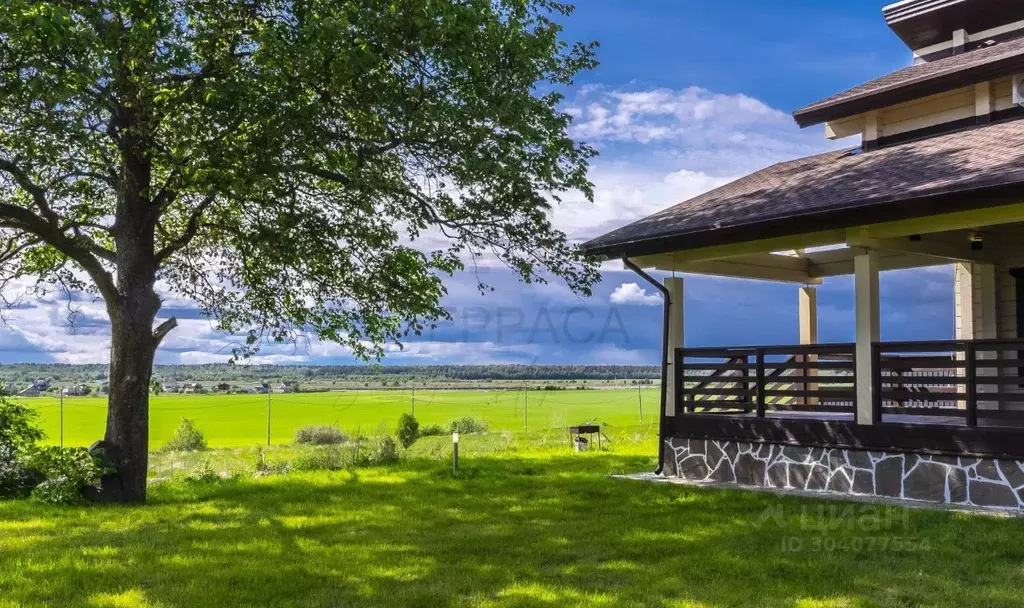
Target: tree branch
x,y
37,193
163,329
191,229
81,252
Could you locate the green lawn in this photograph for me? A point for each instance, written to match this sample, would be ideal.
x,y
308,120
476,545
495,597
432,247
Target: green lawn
x,y
519,527
241,420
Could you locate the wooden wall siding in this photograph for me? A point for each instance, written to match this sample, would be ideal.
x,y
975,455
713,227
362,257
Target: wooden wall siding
x,y
1007,296
927,112
969,276
1003,93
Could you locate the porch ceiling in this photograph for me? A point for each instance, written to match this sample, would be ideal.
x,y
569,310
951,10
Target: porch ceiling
x,y
810,266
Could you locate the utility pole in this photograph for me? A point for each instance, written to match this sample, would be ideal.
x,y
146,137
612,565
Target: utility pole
x,y
62,417
268,415
640,398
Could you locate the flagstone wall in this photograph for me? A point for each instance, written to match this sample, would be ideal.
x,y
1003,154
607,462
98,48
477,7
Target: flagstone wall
x,y
979,482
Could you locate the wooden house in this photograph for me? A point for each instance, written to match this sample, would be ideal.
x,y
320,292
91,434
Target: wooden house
x,y
938,179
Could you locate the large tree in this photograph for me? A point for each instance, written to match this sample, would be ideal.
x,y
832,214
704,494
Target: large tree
x,y
281,163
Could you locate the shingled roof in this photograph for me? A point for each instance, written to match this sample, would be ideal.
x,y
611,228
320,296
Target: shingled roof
x,y
973,168
918,81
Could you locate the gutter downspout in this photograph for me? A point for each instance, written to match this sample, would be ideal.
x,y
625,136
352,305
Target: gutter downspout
x,y
664,356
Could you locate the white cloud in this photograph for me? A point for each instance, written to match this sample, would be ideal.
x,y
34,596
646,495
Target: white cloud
x,y
631,294
665,114
693,129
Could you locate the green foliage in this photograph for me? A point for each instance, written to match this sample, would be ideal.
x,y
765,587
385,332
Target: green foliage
x,y
291,149
319,434
19,430
433,430
187,438
467,425
379,451
204,472
408,429
383,451
324,458
65,470
59,491
16,480
19,426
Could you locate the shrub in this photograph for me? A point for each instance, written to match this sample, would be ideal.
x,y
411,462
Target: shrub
x,y
408,430
468,425
66,472
16,481
187,438
319,434
433,430
326,458
384,451
264,466
18,426
204,472
59,491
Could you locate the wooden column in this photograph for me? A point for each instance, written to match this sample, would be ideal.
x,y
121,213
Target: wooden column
x,y
865,267
809,334
808,315
675,338
985,327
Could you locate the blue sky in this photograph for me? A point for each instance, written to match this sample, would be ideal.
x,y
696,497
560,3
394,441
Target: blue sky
x,y
689,95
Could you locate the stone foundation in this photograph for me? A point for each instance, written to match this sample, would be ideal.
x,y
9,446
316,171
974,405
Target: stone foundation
x,y
952,480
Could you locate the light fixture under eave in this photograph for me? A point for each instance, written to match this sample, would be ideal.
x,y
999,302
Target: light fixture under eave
x,y
977,241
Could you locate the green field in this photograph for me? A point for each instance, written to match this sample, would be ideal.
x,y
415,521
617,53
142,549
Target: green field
x,y
241,420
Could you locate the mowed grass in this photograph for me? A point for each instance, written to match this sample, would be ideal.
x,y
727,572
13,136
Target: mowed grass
x,y
521,527
241,420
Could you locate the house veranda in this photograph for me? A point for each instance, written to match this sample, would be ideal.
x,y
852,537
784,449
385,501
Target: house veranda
x,y
937,180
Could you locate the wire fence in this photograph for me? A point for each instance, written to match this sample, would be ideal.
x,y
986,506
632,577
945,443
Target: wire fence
x,y
237,420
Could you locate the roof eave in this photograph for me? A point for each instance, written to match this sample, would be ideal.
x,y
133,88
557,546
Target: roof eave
x,y
819,113
849,216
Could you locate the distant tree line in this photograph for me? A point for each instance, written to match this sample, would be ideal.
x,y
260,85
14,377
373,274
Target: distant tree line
x,y
63,374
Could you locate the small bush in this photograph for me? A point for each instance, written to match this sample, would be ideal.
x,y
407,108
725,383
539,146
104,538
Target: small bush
x,y
263,466
468,425
65,470
59,491
187,438
326,458
384,451
433,430
408,430
204,473
16,480
18,425
319,434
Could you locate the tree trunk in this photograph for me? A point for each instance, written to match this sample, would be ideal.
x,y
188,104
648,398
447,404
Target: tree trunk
x,y
126,442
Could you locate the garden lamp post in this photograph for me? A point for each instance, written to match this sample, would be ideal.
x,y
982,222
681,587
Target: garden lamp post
x,y
455,452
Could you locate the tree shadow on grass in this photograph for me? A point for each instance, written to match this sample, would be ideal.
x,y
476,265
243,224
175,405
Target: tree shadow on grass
x,y
505,532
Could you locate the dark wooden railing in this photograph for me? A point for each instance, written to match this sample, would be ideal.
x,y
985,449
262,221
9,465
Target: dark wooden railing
x,y
978,381
957,382
759,380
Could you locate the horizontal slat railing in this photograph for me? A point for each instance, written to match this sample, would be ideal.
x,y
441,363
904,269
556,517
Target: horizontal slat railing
x,y
979,381
762,380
